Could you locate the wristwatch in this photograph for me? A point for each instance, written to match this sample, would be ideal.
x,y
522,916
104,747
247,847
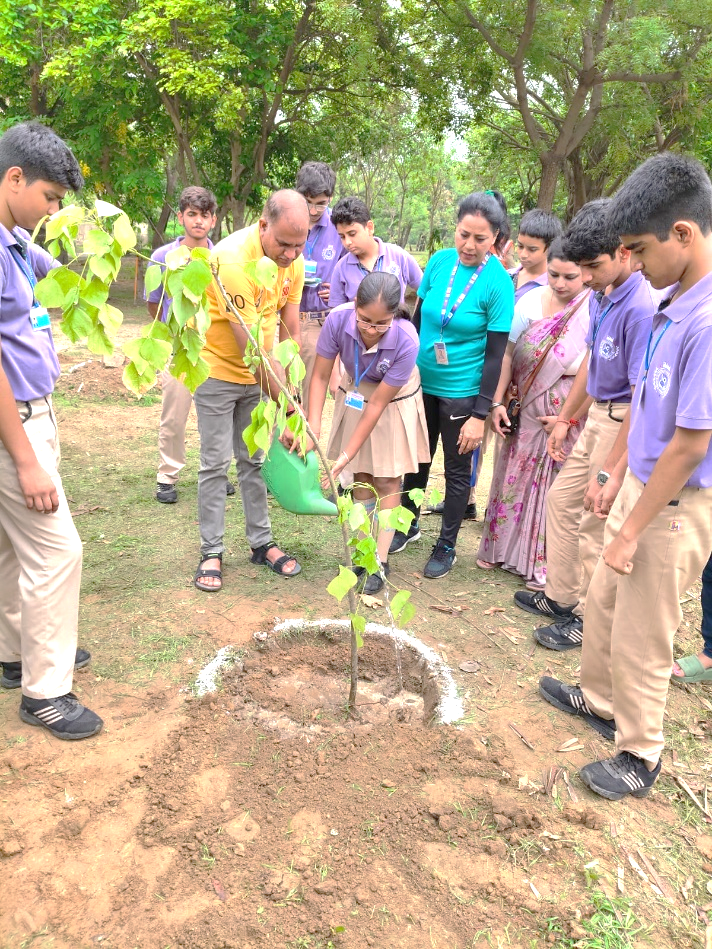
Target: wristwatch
x,y
602,477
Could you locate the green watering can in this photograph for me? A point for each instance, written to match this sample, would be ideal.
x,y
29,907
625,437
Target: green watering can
x,y
294,481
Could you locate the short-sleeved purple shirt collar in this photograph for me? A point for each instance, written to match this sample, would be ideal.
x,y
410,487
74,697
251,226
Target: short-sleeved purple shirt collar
x,y
323,246
540,281
159,257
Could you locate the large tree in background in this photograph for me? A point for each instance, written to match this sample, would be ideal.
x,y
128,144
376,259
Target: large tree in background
x,y
560,66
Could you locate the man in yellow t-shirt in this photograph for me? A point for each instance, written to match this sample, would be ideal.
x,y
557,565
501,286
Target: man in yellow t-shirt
x,y
224,402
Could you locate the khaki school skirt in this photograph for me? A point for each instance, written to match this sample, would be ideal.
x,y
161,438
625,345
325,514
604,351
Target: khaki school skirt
x,y
398,443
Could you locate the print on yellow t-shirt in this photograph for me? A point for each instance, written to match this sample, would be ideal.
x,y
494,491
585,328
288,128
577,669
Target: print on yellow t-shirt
x,y
255,303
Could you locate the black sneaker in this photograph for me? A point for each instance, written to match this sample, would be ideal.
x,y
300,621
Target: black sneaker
x,y
400,540
540,604
375,582
166,493
561,636
569,698
613,778
441,561
65,717
435,508
12,671
470,513
229,489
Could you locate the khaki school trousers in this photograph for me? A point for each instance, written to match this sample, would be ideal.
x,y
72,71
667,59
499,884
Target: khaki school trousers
x,y
309,330
40,569
630,621
574,537
177,400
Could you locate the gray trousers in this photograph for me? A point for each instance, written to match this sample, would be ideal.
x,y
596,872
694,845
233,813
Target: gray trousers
x,y
224,410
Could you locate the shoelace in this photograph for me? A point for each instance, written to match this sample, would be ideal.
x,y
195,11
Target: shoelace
x,y
66,703
440,552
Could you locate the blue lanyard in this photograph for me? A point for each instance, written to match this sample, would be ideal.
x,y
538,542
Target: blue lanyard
x,y
376,269
599,324
310,247
445,317
24,267
648,354
357,377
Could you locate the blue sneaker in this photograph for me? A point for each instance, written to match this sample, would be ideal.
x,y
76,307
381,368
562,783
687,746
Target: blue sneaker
x,y
441,561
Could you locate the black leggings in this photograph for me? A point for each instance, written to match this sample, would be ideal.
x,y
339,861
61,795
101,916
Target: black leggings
x,y
445,418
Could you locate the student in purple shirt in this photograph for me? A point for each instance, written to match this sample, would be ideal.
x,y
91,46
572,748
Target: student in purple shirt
x,y
379,427
366,253
659,530
322,251
604,384
537,230
196,215
40,550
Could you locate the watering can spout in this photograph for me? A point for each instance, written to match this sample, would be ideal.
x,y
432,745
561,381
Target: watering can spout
x,y
294,481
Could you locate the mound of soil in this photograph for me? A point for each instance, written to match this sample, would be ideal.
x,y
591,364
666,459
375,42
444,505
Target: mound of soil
x,y
91,379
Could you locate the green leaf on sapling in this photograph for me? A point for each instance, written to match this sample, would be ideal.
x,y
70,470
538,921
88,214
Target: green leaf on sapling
x,y
138,382
266,272
94,292
193,343
97,242
48,291
285,351
153,278
435,497
358,628
342,583
76,324
359,519
417,496
157,330
197,277
399,602
101,268
124,232
156,352
98,342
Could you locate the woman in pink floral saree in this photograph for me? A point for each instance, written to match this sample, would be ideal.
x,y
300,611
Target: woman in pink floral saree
x,y
541,365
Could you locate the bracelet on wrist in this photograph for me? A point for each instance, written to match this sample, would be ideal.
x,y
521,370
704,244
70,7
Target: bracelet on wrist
x,y
496,405
346,456
573,421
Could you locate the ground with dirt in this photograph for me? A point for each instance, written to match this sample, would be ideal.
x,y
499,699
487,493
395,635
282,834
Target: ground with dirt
x,y
259,815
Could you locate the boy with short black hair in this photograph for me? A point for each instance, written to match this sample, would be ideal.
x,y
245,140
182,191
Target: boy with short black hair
x,y
197,216
537,229
316,181
40,549
621,316
659,530
366,253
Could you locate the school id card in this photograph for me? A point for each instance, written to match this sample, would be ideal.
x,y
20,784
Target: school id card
x,y
39,318
440,353
354,400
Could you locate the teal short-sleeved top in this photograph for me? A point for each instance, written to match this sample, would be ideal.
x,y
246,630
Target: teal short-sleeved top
x,y
488,307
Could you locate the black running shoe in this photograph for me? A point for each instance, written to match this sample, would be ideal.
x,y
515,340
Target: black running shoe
x,y
12,671
229,489
614,778
540,604
569,698
375,582
441,562
400,540
166,493
65,717
470,513
561,636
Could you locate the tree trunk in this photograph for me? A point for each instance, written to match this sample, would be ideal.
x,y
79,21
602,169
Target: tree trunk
x,y
550,167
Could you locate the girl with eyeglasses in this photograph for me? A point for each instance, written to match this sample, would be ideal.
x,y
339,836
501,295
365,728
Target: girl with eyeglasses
x,y
379,427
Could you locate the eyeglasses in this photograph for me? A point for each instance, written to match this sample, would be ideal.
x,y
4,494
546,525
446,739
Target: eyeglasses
x,y
317,205
377,327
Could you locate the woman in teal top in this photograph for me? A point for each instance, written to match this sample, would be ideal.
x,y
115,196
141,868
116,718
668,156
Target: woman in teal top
x,y
464,312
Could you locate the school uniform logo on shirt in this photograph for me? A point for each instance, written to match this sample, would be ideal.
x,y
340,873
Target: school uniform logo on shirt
x,y
608,349
328,253
661,379
383,366
394,269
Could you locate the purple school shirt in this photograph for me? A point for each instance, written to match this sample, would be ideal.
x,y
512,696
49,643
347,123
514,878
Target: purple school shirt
x,y
29,359
392,358
540,281
159,257
324,246
676,388
621,338
349,272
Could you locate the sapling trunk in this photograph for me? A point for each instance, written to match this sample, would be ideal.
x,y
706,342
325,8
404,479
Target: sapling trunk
x,y
267,367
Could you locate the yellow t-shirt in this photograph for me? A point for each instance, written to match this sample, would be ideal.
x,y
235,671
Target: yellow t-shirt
x,y
254,302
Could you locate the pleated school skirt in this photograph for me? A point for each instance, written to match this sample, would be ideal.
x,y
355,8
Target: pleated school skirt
x,y
398,443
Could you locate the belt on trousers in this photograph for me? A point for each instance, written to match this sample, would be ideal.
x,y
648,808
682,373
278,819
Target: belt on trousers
x,y
313,315
398,399
610,403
